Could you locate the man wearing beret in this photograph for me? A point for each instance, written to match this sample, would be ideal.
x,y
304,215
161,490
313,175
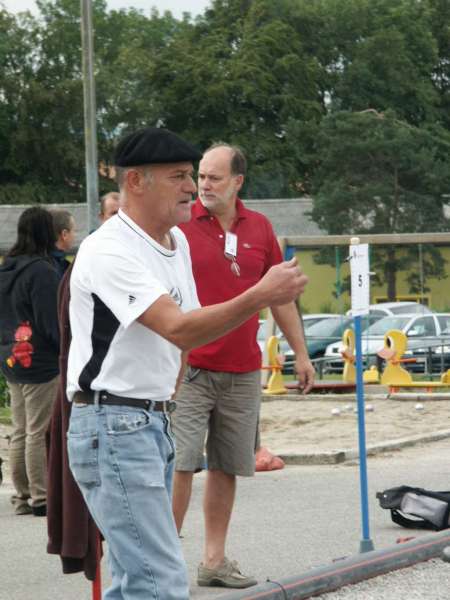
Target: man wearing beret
x,y
219,398
133,310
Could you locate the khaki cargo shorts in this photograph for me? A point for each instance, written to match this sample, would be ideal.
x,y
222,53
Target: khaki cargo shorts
x,y
223,409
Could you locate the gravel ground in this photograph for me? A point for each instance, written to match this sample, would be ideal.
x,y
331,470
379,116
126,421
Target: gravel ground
x,y
425,581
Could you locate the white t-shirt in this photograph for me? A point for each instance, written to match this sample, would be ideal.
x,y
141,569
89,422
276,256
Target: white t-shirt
x,y
118,273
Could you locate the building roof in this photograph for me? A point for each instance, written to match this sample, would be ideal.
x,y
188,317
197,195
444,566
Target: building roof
x,y
288,217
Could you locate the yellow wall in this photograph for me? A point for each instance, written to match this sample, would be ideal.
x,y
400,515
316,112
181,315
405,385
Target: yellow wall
x,y
318,296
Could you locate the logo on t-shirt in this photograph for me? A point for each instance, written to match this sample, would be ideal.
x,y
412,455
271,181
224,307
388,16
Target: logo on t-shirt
x,y
131,299
176,295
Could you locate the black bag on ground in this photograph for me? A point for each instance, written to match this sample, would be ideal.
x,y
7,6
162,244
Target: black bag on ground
x,y
417,508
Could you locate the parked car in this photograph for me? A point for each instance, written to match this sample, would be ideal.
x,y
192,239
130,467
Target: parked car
x,y
384,309
426,334
312,319
320,335
308,320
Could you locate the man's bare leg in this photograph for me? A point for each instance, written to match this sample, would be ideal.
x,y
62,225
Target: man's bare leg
x,y
182,489
218,503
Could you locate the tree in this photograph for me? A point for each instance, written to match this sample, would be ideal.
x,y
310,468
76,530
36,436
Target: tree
x,y
258,73
44,153
440,27
46,147
247,80
377,174
15,67
379,54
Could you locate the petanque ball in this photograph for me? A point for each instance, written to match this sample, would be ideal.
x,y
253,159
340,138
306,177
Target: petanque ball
x,y
335,412
419,406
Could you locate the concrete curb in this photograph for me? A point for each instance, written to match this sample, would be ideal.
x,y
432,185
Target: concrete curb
x,y
419,396
324,397
340,456
349,570
380,393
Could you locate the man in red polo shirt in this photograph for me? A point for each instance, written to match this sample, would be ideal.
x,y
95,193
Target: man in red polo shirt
x,y
231,249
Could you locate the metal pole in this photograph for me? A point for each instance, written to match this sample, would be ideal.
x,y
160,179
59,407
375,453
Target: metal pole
x,y
337,256
90,128
359,270
366,543
421,273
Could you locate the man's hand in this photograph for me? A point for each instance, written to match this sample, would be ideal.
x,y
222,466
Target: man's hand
x,y
283,283
305,374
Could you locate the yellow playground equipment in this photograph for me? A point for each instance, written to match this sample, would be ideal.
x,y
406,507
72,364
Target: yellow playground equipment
x,y
348,354
394,375
275,385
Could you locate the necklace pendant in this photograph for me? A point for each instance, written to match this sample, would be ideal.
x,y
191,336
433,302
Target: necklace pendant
x,y
235,268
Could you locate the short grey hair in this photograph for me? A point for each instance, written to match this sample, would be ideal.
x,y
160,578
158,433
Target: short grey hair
x,y
104,198
121,173
62,219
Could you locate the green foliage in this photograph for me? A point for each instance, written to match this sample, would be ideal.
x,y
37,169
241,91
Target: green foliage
x,y
378,174
4,394
262,74
248,81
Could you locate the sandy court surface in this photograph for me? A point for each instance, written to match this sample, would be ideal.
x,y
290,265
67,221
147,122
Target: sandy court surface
x,y
309,425
306,426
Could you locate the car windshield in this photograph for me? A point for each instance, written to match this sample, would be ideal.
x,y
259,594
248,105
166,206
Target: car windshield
x,y
380,327
329,327
261,335
308,323
262,331
335,327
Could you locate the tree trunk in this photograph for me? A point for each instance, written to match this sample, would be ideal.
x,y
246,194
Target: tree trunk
x,y
390,272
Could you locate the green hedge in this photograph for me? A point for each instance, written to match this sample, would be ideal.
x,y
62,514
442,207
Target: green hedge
x,y
4,396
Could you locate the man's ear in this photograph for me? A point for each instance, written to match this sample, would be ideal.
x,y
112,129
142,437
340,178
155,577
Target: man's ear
x,y
135,180
239,181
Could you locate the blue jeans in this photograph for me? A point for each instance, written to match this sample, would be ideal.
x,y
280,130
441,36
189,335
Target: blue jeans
x,y
122,459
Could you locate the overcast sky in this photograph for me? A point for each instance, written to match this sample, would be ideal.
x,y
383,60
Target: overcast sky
x,y
177,7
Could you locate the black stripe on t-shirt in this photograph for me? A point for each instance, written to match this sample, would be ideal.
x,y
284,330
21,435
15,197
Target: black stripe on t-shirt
x,y
104,328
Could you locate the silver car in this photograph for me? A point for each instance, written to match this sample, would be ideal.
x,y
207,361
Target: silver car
x,y
426,334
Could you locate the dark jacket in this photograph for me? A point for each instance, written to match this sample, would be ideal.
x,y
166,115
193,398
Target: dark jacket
x,y
71,531
29,335
60,261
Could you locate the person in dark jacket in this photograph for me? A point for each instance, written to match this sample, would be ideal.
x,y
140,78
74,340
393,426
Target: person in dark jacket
x,y
29,349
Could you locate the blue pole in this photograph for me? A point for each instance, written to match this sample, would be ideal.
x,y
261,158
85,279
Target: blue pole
x,y
289,252
366,543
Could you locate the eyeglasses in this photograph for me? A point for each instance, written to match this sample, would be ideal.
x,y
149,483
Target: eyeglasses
x,y
234,266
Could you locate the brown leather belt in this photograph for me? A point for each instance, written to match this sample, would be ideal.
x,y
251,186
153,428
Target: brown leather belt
x,y
104,397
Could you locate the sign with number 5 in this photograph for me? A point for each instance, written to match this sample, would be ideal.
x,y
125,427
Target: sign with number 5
x,y
360,280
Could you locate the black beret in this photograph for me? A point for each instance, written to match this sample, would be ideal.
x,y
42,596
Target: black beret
x,y
153,145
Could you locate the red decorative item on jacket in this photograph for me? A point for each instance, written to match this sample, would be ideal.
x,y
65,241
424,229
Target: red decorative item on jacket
x,y
22,349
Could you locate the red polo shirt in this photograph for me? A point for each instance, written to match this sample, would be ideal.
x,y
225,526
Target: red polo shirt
x,y
257,251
